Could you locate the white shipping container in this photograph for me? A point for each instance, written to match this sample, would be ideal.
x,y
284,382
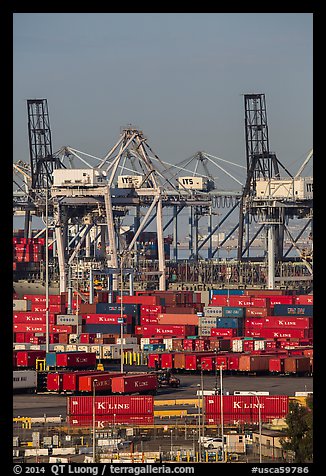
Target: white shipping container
x,y
129,181
22,305
168,342
299,188
64,451
144,340
259,345
83,347
127,340
237,345
22,346
78,177
58,459
59,347
73,339
71,347
97,349
37,452
192,183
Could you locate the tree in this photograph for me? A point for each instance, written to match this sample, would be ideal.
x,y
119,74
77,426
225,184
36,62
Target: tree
x,y
299,434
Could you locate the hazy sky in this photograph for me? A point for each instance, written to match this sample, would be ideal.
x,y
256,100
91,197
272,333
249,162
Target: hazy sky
x,y
179,77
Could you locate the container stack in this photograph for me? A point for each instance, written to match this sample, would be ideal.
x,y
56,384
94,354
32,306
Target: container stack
x,y
110,410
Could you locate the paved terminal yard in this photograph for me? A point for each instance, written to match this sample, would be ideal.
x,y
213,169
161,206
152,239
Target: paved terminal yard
x,y
54,405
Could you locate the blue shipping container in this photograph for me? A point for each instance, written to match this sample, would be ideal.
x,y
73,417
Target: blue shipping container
x,y
153,347
230,322
290,310
228,311
237,292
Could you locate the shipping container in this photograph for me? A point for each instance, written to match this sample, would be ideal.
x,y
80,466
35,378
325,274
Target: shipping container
x,y
298,364
239,409
24,381
183,319
22,317
294,310
228,311
21,305
276,365
70,379
253,363
41,298
223,332
142,383
27,358
193,361
54,381
107,318
110,405
107,421
304,299
278,333
167,360
230,323
257,312
166,330
101,382
213,311
179,360
154,361
76,359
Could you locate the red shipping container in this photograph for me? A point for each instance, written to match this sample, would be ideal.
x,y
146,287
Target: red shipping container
x,y
53,308
22,317
188,344
70,379
110,405
106,421
246,409
149,319
219,332
102,382
257,312
278,333
27,358
208,363
304,299
152,359
150,300
152,309
166,330
106,318
85,338
167,360
54,382
142,383
193,361
248,345
19,337
202,344
276,365
233,362
76,359
41,299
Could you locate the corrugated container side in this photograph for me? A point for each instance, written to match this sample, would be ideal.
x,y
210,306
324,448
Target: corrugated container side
x,y
109,405
106,421
246,408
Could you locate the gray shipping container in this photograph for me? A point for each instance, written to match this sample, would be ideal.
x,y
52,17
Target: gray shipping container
x,y
208,321
213,311
68,320
22,305
204,331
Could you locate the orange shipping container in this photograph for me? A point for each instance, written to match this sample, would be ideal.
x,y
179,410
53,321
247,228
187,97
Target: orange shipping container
x,y
254,363
178,319
297,364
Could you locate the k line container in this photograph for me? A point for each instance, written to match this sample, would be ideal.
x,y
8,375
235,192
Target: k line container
x,y
70,379
253,363
27,358
109,405
245,409
134,383
106,421
76,359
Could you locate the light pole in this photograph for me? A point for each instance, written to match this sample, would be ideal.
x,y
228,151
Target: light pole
x,y
222,415
121,313
202,399
259,419
228,272
94,382
199,426
171,432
